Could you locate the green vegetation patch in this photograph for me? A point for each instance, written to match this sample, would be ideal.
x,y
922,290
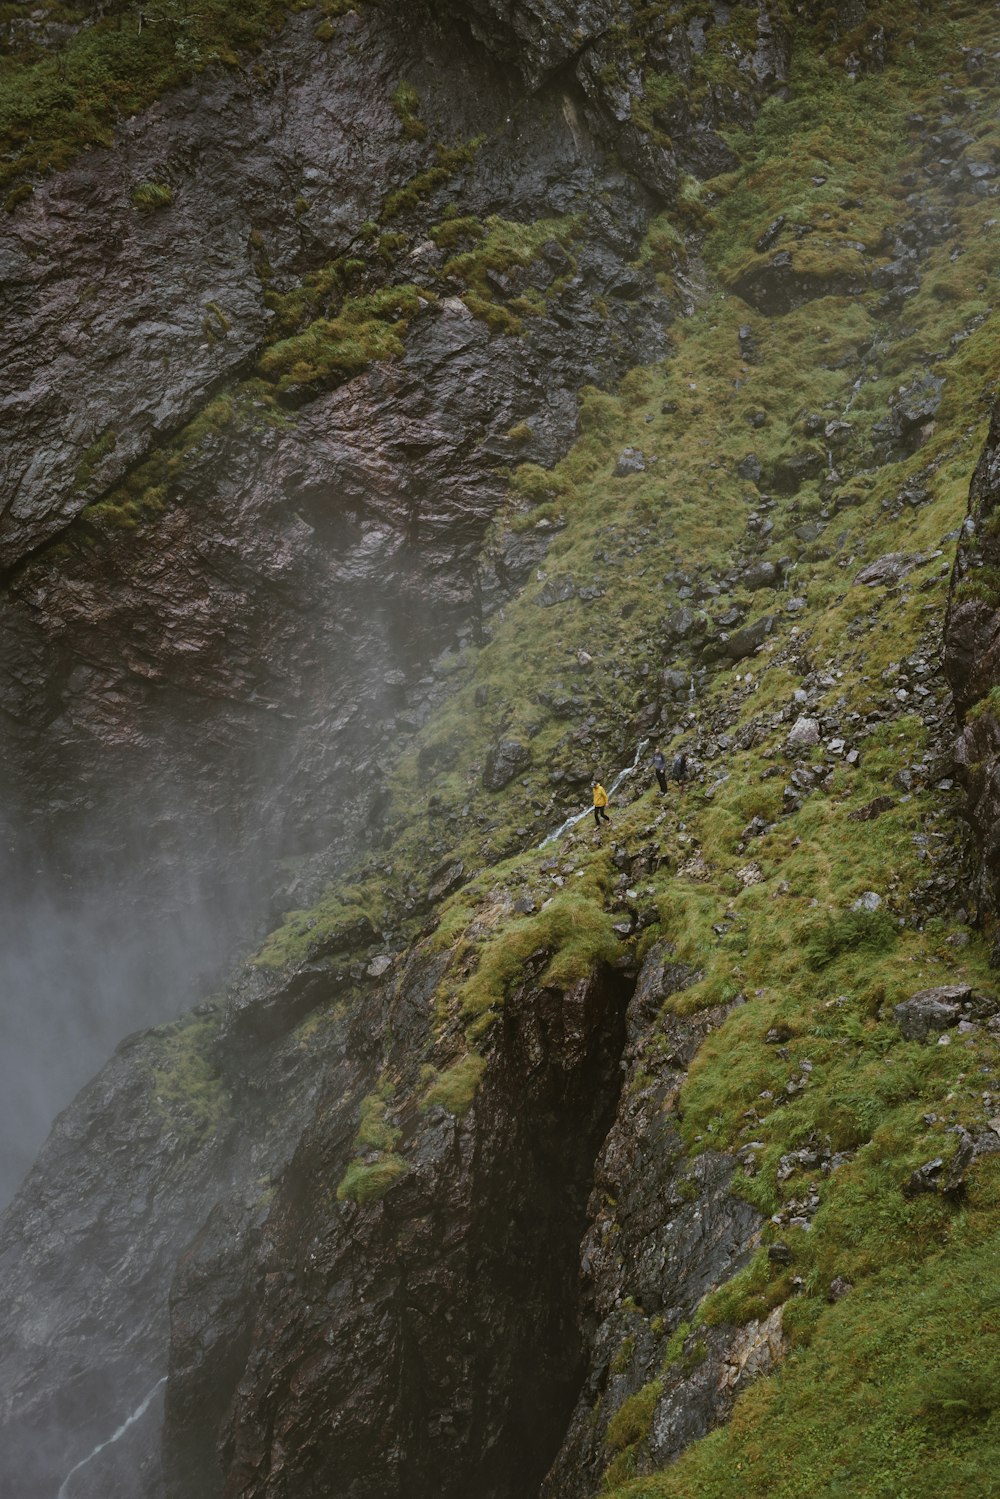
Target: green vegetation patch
x,y
187,1087
367,1181
406,103
377,1164
910,1365
55,104
366,328
456,1087
149,196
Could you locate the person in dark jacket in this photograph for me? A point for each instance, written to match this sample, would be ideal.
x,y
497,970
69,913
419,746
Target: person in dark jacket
x,y
660,766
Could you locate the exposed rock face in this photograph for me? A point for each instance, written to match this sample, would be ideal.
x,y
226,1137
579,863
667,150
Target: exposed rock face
x,y
664,1229
225,681
381,1326
779,284
537,35
972,664
930,1010
310,1333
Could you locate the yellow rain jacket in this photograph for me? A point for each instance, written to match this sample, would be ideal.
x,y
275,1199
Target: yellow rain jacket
x,y
600,796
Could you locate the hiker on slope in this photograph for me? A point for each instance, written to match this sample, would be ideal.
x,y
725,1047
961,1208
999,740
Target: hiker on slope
x,y
660,766
600,803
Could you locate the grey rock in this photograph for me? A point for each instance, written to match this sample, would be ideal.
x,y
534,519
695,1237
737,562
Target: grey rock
x,y
917,402
886,570
557,591
445,880
790,472
506,759
761,575
931,1010
768,239
683,623
745,642
872,809
630,461
804,733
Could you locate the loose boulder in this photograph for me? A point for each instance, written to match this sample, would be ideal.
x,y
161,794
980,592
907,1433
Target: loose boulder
x,y
506,759
932,1010
885,570
744,642
630,461
803,734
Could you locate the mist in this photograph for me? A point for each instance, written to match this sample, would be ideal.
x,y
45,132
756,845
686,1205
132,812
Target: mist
x,y
83,964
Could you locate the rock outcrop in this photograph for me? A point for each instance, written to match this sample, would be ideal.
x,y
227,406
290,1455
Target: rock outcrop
x,y
972,665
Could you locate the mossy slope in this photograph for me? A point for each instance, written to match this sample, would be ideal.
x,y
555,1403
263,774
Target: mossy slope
x,y
754,872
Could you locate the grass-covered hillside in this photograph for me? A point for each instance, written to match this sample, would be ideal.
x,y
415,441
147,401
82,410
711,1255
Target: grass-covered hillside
x,y
708,591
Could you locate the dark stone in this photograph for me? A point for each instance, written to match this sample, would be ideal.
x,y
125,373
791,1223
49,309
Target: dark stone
x,y
445,880
506,759
777,286
917,402
557,591
347,937
749,351
885,570
760,575
767,240
779,1254
789,473
683,623
748,640
675,683
872,809
749,468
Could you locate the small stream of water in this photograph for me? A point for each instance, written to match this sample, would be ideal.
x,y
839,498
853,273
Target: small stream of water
x,y
618,781
130,1421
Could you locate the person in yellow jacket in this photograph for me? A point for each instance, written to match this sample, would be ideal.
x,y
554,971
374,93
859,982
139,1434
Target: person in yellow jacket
x,y
600,803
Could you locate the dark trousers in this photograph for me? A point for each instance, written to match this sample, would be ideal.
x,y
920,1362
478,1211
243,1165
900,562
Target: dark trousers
x,y
661,776
599,812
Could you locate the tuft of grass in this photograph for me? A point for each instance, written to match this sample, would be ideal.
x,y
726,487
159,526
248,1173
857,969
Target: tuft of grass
x,y
366,329
406,103
368,1181
852,932
150,196
456,1087
187,1087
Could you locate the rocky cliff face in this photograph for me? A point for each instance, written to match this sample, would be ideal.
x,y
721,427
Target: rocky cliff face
x,y
224,598
514,1163
971,632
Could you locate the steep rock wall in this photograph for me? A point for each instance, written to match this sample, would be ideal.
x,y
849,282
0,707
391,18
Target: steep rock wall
x,y
212,669
972,665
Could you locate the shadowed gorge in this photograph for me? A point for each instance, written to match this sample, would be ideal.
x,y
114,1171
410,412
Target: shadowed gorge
x,y
413,415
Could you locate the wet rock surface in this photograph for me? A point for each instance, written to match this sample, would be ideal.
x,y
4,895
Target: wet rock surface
x,y
379,1325
663,1230
972,666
